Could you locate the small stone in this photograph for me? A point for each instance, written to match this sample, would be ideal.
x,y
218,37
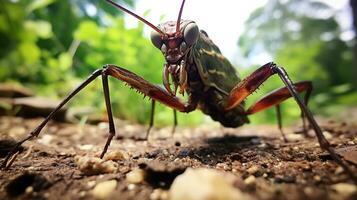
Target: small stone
x,y
135,176
46,195
327,135
29,190
159,194
294,137
339,170
86,147
202,184
344,190
117,155
131,186
253,169
91,184
309,191
317,178
94,165
82,193
251,180
104,189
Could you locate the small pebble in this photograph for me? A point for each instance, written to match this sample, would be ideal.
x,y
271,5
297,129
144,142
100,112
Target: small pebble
x,y
339,170
253,169
91,184
317,178
117,155
309,191
251,180
104,189
203,184
94,165
327,135
135,176
344,189
46,195
159,194
131,186
86,147
294,137
82,193
29,190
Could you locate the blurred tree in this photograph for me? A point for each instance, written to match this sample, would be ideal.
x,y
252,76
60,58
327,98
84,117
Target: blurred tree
x,y
353,4
52,45
303,36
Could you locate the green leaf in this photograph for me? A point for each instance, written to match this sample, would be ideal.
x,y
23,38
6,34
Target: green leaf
x,y
87,31
37,4
65,61
42,28
29,52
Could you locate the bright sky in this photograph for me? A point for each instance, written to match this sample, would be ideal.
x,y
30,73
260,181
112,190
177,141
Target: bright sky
x,y
223,20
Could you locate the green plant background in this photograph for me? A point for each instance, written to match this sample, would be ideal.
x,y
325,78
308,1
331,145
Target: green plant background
x,y
52,45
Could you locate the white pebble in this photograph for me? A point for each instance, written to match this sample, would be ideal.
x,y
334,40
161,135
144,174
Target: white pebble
x,y
104,189
94,165
250,180
135,176
203,184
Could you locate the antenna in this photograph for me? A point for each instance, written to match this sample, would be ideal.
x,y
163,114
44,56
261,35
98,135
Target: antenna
x,y
136,16
179,17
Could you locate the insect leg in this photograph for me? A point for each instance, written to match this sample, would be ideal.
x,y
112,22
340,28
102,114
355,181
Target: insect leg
x,y
175,122
252,82
109,112
151,119
280,124
276,97
279,95
38,129
155,92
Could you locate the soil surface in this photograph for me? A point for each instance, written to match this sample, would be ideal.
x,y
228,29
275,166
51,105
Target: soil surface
x,y
268,167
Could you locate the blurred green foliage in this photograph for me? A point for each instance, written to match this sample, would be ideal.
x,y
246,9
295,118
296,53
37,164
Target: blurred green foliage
x,y
304,37
53,45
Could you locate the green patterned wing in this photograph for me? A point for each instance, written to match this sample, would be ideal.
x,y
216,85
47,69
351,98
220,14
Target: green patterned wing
x,y
215,70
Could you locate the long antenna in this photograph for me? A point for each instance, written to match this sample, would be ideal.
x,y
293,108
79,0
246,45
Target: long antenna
x,y
136,16
179,17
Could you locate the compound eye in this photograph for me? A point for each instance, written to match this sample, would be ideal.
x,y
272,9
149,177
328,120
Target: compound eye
x,y
156,39
191,33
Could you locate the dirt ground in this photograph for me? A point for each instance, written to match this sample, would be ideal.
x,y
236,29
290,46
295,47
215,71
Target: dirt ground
x,y
268,167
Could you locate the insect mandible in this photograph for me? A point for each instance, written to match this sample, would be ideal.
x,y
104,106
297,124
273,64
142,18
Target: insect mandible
x,y
194,65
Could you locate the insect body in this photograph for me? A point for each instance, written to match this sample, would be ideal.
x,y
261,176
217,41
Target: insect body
x,y
195,65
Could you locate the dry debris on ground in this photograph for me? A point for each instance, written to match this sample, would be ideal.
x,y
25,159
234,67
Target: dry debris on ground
x,y
206,162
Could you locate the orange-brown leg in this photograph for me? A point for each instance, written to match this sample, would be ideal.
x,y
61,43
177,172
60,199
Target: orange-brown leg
x,y
252,82
276,97
155,92
152,116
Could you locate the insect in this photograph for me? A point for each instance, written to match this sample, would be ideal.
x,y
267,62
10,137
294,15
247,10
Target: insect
x,y
195,66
